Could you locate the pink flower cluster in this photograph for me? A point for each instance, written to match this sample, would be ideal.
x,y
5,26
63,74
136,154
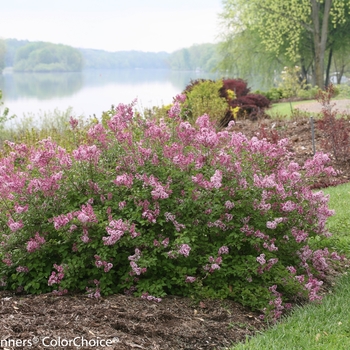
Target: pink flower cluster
x,y
172,217
124,180
184,250
223,250
56,277
98,133
87,154
136,270
22,269
150,297
62,220
190,279
215,263
86,214
94,293
8,259
19,209
276,303
147,213
273,224
34,243
60,291
165,242
115,230
73,122
15,226
174,111
99,263
261,259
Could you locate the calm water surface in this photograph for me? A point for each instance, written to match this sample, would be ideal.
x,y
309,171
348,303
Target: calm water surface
x,y
92,91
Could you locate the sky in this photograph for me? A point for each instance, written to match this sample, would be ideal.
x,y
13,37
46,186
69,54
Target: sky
x,y
113,25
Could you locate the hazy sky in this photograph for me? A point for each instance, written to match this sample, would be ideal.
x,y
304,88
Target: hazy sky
x,y
112,25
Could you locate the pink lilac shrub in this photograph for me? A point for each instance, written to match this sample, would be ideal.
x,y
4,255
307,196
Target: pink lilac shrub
x,y
156,207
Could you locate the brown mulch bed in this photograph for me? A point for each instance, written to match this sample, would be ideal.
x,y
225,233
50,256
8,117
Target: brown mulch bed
x,y
133,323
127,322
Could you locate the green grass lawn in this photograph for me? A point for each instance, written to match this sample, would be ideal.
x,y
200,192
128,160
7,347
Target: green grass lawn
x,y
318,326
284,109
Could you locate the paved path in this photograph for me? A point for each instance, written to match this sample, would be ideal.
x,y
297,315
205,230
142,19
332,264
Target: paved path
x,y
343,106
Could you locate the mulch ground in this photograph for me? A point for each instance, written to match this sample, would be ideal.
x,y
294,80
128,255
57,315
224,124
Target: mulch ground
x,y
50,322
127,322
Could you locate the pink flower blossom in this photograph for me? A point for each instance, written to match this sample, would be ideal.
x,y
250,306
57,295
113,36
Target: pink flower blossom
x,y
115,230
180,98
61,220
261,259
56,277
98,132
165,242
223,250
121,205
288,206
34,243
159,192
108,266
124,180
292,269
150,297
73,122
271,225
216,179
299,235
85,238
86,214
184,250
174,111
87,153
229,205
214,267
19,209
22,269
335,256
15,226
190,279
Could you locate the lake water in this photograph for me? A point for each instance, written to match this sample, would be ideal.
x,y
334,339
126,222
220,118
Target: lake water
x,y
92,91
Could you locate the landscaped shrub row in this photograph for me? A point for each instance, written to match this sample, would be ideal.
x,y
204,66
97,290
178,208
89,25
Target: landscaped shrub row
x,y
157,207
224,100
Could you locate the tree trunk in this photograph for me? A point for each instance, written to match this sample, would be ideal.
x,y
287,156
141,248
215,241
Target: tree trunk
x,y
340,74
329,66
320,34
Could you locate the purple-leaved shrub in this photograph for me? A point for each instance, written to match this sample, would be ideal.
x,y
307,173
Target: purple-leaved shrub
x,y
156,207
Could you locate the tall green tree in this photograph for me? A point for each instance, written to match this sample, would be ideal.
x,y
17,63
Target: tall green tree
x,y
243,55
292,27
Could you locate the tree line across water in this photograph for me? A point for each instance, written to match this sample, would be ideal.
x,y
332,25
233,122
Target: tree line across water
x,y
26,56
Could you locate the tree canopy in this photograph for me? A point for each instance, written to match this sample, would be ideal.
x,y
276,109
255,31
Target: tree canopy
x,y
301,31
203,56
47,57
123,59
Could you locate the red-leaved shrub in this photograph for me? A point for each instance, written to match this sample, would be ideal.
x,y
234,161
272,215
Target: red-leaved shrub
x,y
336,131
238,86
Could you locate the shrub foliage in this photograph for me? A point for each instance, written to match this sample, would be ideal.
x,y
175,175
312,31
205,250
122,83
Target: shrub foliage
x,y
155,207
336,131
224,100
